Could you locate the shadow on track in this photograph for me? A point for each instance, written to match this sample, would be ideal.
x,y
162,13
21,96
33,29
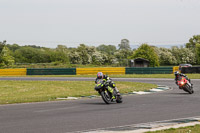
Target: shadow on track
x,y
183,93
99,103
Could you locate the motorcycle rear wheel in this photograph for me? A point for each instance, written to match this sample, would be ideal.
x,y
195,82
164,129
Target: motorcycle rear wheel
x,y
119,99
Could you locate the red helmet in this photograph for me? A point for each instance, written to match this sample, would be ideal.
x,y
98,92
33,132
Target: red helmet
x,y
99,75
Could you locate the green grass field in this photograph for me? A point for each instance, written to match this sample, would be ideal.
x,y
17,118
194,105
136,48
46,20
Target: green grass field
x,y
190,129
37,91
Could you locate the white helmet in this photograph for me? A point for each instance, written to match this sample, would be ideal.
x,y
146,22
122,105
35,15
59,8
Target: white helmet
x,y
176,73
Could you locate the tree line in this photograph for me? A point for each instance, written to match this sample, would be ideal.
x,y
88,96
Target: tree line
x,y
101,55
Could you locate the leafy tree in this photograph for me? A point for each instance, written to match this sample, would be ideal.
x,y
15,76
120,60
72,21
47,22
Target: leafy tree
x,y
193,41
165,56
98,58
107,54
108,49
187,56
60,54
124,44
123,53
147,52
75,58
34,46
62,48
82,55
85,53
5,57
111,60
184,55
176,54
193,45
13,47
2,44
122,57
28,54
198,52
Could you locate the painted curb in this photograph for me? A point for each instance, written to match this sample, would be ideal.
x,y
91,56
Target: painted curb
x,y
68,98
160,88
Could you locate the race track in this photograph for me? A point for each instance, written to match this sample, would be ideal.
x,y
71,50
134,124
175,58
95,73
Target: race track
x,y
88,114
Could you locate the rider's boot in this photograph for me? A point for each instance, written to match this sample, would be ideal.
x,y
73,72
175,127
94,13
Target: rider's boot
x,y
116,92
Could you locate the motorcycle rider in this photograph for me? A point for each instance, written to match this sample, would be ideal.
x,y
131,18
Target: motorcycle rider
x,y
111,85
177,75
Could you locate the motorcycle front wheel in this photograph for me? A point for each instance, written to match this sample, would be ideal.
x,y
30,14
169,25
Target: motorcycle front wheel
x,y
106,97
189,89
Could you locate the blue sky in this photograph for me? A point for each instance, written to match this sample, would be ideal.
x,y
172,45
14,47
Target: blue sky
x,y
94,22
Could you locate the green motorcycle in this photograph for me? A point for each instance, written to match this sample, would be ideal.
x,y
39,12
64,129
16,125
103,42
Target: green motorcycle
x,y
102,88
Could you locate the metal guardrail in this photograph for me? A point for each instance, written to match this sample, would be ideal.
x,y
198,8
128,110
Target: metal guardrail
x,y
12,72
105,70
51,71
90,71
149,70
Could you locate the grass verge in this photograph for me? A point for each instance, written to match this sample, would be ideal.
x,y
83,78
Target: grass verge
x,y
190,129
38,91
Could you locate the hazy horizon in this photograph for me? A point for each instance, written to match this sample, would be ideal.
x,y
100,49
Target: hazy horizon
x,y
49,23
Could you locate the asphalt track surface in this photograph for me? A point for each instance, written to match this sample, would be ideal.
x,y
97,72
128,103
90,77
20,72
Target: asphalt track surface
x,y
88,114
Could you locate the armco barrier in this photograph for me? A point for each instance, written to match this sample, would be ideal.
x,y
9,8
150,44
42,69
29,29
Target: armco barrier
x,y
149,70
190,69
52,71
105,70
12,72
176,68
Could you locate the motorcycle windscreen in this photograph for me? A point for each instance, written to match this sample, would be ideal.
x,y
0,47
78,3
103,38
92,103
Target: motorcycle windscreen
x,y
99,85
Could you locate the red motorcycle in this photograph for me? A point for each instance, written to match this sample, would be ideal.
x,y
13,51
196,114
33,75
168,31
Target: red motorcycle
x,y
184,84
